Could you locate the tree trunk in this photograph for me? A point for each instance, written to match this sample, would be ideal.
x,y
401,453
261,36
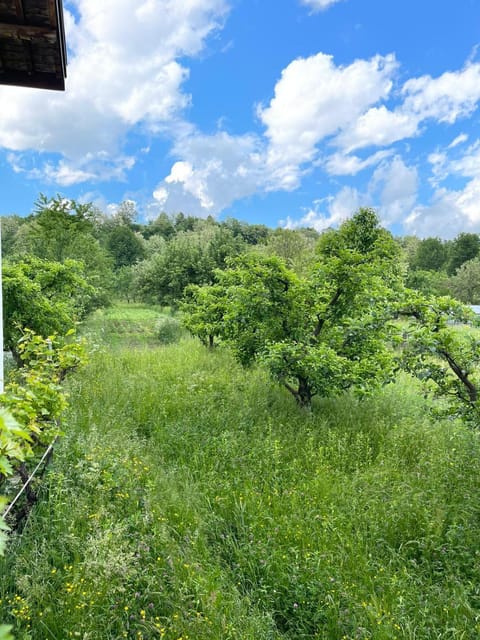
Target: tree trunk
x,y
303,395
304,398
211,341
462,376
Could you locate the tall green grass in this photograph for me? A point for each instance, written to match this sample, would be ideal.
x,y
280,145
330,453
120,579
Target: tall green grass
x,y
191,499
127,325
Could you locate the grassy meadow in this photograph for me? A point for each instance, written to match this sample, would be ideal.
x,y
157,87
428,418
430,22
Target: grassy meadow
x,y
192,500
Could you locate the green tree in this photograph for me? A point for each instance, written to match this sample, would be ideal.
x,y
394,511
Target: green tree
x,y
57,228
184,223
251,233
409,245
465,246
431,255
43,296
154,245
123,283
465,284
343,339
126,214
125,246
203,312
11,226
442,355
222,244
62,229
262,304
188,258
294,247
162,226
163,277
434,283
325,333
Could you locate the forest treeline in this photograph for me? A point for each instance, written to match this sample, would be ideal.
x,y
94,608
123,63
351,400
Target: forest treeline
x,y
155,261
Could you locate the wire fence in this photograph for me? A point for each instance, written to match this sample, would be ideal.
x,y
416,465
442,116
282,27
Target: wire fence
x,y
28,481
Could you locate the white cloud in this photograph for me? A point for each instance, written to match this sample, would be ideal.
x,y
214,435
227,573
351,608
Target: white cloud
x,y
91,168
319,5
392,191
450,210
123,72
316,102
321,217
377,127
396,185
445,99
467,165
339,164
214,171
450,213
314,99
460,139
439,163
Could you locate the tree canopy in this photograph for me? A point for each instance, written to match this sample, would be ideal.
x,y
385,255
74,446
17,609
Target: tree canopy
x,y
318,335
44,296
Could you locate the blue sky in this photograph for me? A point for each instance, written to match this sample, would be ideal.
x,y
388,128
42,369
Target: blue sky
x,y
286,112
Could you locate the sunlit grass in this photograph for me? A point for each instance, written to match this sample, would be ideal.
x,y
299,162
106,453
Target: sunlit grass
x,y
125,325
192,499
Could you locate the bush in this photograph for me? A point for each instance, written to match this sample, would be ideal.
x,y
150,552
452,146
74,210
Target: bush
x,y
168,330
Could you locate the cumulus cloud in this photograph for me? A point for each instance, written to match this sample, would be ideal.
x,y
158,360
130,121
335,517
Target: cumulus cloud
x,y
450,210
396,185
377,127
450,96
67,173
438,161
313,100
392,191
127,72
214,171
319,116
339,164
123,72
449,213
445,99
328,212
468,164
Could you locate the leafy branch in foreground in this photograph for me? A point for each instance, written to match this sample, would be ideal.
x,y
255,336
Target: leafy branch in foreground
x,y
34,395
32,403
443,349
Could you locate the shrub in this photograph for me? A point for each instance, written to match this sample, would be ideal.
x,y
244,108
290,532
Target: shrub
x,y
168,330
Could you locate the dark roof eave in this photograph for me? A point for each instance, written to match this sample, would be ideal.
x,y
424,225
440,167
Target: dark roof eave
x,y
32,44
36,81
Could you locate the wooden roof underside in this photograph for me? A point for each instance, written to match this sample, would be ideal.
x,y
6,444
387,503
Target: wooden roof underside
x,y
32,44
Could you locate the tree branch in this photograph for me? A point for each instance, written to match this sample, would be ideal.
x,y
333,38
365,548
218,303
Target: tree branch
x,y
321,320
292,390
461,375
